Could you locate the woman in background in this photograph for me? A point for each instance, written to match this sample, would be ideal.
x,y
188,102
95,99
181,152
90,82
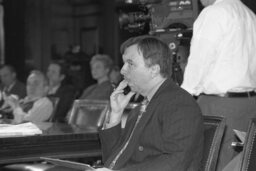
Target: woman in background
x,y
101,65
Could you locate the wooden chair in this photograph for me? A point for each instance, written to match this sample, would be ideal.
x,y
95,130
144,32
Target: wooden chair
x,y
214,127
249,149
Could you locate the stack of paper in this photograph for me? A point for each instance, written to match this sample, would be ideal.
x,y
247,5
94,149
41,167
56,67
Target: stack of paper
x,y
25,129
240,134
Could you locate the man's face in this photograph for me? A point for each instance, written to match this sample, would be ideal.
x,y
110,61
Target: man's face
x,y
7,77
134,70
53,74
98,70
35,86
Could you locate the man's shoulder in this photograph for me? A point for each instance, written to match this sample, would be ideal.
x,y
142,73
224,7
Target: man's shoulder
x,y
19,85
172,93
66,87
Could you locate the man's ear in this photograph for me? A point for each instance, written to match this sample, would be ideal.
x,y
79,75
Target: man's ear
x,y
155,70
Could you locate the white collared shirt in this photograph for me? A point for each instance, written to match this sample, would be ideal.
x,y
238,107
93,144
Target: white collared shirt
x,y
41,111
223,50
53,90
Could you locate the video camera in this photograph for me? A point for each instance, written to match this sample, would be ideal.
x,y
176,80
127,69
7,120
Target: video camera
x,y
134,15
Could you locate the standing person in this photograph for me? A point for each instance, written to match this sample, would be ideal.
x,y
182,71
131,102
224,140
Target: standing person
x,y
165,133
56,74
10,84
221,68
101,66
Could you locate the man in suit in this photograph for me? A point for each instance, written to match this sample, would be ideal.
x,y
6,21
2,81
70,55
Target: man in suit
x,y
56,74
165,133
10,84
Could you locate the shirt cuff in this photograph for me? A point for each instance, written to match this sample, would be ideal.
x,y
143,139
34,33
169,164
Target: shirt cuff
x,y
110,125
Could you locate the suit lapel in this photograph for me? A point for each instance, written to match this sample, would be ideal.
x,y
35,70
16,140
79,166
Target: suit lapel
x,y
128,129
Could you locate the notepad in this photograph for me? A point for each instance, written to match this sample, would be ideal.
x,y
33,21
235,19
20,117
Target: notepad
x,y
69,164
241,135
24,129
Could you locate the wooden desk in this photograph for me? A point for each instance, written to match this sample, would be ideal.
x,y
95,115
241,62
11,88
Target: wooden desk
x,y
57,140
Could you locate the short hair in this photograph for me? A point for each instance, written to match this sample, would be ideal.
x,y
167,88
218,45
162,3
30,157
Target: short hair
x,y
154,51
105,59
42,75
62,65
9,67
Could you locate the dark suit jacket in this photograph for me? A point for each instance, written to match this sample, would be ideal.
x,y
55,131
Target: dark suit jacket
x,y
169,136
66,95
18,89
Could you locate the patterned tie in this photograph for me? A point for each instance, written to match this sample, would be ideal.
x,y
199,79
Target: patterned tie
x,y
143,107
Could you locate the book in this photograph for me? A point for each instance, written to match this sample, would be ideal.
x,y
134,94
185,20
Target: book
x,y
24,129
69,164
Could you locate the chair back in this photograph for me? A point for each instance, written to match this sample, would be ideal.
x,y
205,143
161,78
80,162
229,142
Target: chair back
x,y
249,149
55,102
89,113
214,127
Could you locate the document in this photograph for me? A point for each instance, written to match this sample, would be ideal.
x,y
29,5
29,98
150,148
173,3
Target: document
x,y
241,135
24,129
69,164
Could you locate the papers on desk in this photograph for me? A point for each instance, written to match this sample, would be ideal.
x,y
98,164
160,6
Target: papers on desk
x,y
24,129
69,164
241,135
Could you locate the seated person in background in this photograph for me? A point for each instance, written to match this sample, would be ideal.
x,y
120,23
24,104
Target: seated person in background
x,y
101,66
35,106
163,134
10,84
56,74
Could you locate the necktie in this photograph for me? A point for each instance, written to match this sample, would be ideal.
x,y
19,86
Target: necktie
x,y
143,107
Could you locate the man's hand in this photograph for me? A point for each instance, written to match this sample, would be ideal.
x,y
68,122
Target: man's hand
x,y
118,102
12,101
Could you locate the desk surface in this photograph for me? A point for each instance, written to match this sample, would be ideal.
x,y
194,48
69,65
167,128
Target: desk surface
x,y
58,140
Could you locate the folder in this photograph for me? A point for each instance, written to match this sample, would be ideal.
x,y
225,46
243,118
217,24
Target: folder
x,y
69,164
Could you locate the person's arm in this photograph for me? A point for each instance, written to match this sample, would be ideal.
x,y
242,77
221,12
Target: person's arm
x,y
118,102
207,34
111,131
41,111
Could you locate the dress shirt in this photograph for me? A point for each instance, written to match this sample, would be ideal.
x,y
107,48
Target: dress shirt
x,y
41,110
53,90
222,53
